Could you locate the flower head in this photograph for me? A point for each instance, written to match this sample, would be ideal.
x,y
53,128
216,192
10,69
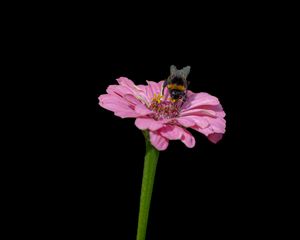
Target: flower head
x,y
164,118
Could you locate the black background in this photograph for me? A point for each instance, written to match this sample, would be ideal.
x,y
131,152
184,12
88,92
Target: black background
x,y
87,177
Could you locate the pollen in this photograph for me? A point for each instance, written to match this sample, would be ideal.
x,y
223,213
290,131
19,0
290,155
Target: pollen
x,y
164,108
157,98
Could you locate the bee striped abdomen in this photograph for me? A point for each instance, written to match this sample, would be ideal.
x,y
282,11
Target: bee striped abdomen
x,y
173,86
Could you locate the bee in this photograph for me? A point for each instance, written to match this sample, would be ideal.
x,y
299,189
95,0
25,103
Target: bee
x,y
177,83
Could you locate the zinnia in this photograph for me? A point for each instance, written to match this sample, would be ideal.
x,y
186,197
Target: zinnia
x,y
163,118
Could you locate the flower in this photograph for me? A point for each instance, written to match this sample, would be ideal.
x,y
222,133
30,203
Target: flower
x,y
163,118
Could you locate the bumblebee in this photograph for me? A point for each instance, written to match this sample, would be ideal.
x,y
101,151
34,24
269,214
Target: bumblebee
x,y
177,83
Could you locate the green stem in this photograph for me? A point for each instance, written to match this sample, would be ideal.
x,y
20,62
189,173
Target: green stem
x,y
150,163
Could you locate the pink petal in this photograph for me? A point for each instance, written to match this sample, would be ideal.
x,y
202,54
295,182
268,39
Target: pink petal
x,y
197,100
124,81
154,88
148,123
118,90
188,139
200,121
126,99
126,114
131,99
192,120
145,89
205,131
217,124
217,109
142,109
159,142
149,93
113,102
215,137
173,132
215,130
118,105
136,91
198,112
186,121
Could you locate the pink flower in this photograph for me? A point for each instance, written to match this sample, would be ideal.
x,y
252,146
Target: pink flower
x,y
166,120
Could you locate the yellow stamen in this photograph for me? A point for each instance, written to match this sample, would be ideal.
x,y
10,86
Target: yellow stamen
x,y
157,98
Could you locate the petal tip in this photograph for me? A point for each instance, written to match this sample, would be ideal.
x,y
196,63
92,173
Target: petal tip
x,y
215,137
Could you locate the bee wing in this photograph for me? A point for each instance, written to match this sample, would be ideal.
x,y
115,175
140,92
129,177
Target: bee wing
x,y
173,70
184,74
185,71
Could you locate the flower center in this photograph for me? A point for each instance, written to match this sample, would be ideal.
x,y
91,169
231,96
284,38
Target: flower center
x,y
164,108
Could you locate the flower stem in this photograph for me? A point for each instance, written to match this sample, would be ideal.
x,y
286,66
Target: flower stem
x,y
150,163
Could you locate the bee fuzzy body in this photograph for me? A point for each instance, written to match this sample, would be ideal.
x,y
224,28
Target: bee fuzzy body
x,y
177,89
176,83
